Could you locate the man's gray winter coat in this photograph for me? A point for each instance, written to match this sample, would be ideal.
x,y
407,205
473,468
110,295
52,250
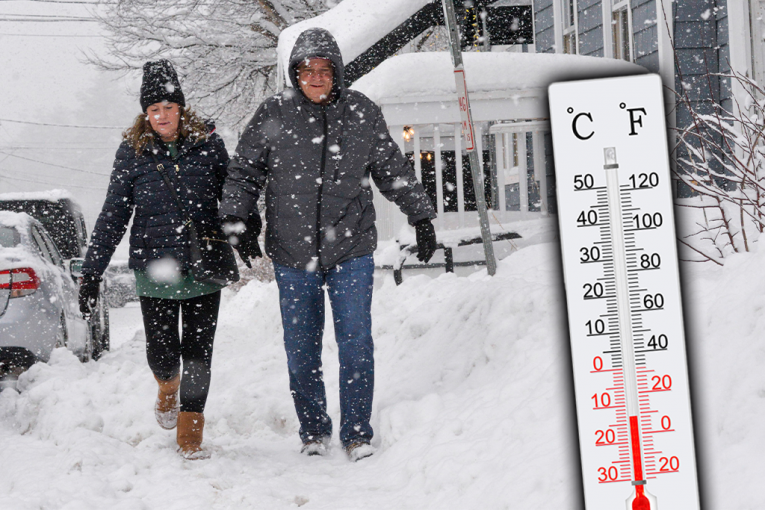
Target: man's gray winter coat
x,y
315,162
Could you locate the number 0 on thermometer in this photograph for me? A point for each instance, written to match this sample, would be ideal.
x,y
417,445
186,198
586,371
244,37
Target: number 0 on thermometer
x,y
623,294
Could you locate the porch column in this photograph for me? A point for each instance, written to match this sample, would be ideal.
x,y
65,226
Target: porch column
x,y
540,171
523,172
458,164
439,175
417,155
501,144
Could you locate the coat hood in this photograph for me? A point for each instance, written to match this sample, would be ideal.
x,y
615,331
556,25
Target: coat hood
x,y
317,42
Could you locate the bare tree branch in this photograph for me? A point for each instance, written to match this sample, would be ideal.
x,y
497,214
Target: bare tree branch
x,y
224,50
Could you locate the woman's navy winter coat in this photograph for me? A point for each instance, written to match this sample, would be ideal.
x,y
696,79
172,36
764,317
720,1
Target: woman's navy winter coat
x,y
198,172
315,163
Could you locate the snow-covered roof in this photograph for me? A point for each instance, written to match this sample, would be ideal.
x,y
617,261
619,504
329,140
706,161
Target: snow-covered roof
x,y
356,25
53,195
430,74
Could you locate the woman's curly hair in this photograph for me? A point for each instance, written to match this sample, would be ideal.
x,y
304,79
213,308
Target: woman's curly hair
x,y
141,134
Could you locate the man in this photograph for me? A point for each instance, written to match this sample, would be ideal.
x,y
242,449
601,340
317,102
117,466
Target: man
x,y
314,148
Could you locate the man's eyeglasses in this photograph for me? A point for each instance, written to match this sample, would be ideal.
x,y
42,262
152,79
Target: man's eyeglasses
x,y
309,72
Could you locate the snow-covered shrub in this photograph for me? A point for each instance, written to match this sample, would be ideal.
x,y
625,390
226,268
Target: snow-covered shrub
x,y
721,160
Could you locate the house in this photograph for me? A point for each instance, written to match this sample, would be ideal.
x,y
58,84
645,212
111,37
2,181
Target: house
x,y
507,82
687,42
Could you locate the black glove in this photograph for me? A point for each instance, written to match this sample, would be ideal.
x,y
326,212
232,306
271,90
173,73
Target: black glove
x,y
244,240
426,239
89,288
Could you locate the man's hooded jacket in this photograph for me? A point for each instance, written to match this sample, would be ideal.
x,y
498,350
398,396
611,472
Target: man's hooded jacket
x,y
315,162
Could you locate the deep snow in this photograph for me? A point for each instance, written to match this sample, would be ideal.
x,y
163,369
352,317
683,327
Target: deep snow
x,y
473,404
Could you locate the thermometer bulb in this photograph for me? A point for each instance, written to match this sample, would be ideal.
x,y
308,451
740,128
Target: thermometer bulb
x,y
641,499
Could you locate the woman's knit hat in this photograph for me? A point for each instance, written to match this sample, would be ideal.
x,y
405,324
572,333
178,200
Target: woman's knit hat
x,y
160,83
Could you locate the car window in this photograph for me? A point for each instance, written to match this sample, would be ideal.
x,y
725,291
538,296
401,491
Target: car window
x,y
54,253
40,244
9,237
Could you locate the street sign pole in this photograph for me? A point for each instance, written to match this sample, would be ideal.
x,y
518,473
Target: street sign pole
x,y
469,134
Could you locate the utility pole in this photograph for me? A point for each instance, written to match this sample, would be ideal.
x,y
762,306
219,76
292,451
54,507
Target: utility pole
x,y
469,134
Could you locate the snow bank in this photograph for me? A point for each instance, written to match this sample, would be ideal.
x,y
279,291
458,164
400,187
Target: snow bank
x,y
727,352
432,73
473,404
355,24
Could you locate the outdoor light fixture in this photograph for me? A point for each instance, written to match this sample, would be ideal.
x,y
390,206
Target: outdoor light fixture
x,y
408,133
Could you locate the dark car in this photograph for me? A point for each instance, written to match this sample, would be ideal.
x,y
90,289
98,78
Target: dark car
x,y
120,284
64,222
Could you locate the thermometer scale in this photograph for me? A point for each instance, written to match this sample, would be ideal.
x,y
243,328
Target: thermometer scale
x,y
623,294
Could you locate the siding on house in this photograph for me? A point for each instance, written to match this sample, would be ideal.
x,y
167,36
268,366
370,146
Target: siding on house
x,y
701,42
544,26
645,37
723,54
590,27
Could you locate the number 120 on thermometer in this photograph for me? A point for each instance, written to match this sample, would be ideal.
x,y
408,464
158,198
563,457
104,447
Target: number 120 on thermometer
x,y
623,294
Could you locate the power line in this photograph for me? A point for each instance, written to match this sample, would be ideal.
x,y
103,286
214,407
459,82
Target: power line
x,y
53,164
60,125
61,2
52,16
46,35
51,148
51,20
48,183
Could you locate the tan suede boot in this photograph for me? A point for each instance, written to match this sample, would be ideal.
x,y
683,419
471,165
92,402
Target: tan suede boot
x,y
190,426
166,406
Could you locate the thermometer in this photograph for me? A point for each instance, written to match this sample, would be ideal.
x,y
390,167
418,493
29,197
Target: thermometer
x,y
623,294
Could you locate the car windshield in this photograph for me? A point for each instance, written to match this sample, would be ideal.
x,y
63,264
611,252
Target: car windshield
x,y
9,237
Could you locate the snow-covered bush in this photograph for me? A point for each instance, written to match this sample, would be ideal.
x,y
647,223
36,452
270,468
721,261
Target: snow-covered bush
x,y
721,160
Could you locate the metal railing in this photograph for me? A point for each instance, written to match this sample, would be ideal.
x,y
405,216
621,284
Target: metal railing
x,y
405,250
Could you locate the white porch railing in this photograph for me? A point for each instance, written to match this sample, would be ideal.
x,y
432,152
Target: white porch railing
x,y
509,166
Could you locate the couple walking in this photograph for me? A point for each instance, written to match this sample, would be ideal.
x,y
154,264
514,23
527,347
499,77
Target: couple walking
x,y
313,149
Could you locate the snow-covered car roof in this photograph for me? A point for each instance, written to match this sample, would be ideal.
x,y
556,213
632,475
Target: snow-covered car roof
x,y
355,24
22,254
19,221
53,195
431,74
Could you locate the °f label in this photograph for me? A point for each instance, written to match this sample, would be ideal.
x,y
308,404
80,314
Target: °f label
x,y
623,294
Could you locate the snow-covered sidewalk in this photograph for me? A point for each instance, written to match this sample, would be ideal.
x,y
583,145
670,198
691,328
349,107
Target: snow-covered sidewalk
x,y
473,405
467,409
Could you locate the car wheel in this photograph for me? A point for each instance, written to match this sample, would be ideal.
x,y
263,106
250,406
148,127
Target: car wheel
x,y
100,331
87,353
61,332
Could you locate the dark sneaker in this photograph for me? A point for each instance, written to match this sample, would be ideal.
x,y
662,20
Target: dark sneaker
x,y
316,447
358,450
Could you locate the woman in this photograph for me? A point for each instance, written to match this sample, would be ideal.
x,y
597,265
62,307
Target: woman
x,y
167,134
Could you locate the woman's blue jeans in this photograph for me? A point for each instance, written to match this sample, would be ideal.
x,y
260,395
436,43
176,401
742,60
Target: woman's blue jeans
x,y
301,298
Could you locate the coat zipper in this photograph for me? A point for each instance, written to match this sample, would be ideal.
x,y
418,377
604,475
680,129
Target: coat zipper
x,y
321,187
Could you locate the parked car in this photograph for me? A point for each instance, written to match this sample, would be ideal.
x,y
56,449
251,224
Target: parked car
x,y
120,284
63,220
38,298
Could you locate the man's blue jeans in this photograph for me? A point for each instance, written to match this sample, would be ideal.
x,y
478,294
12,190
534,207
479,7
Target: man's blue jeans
x,y
301,297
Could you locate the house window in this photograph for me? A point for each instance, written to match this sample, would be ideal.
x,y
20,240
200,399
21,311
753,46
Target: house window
x,y
620,27
569,26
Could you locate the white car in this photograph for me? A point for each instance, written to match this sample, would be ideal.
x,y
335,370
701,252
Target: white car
x,y
39,307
